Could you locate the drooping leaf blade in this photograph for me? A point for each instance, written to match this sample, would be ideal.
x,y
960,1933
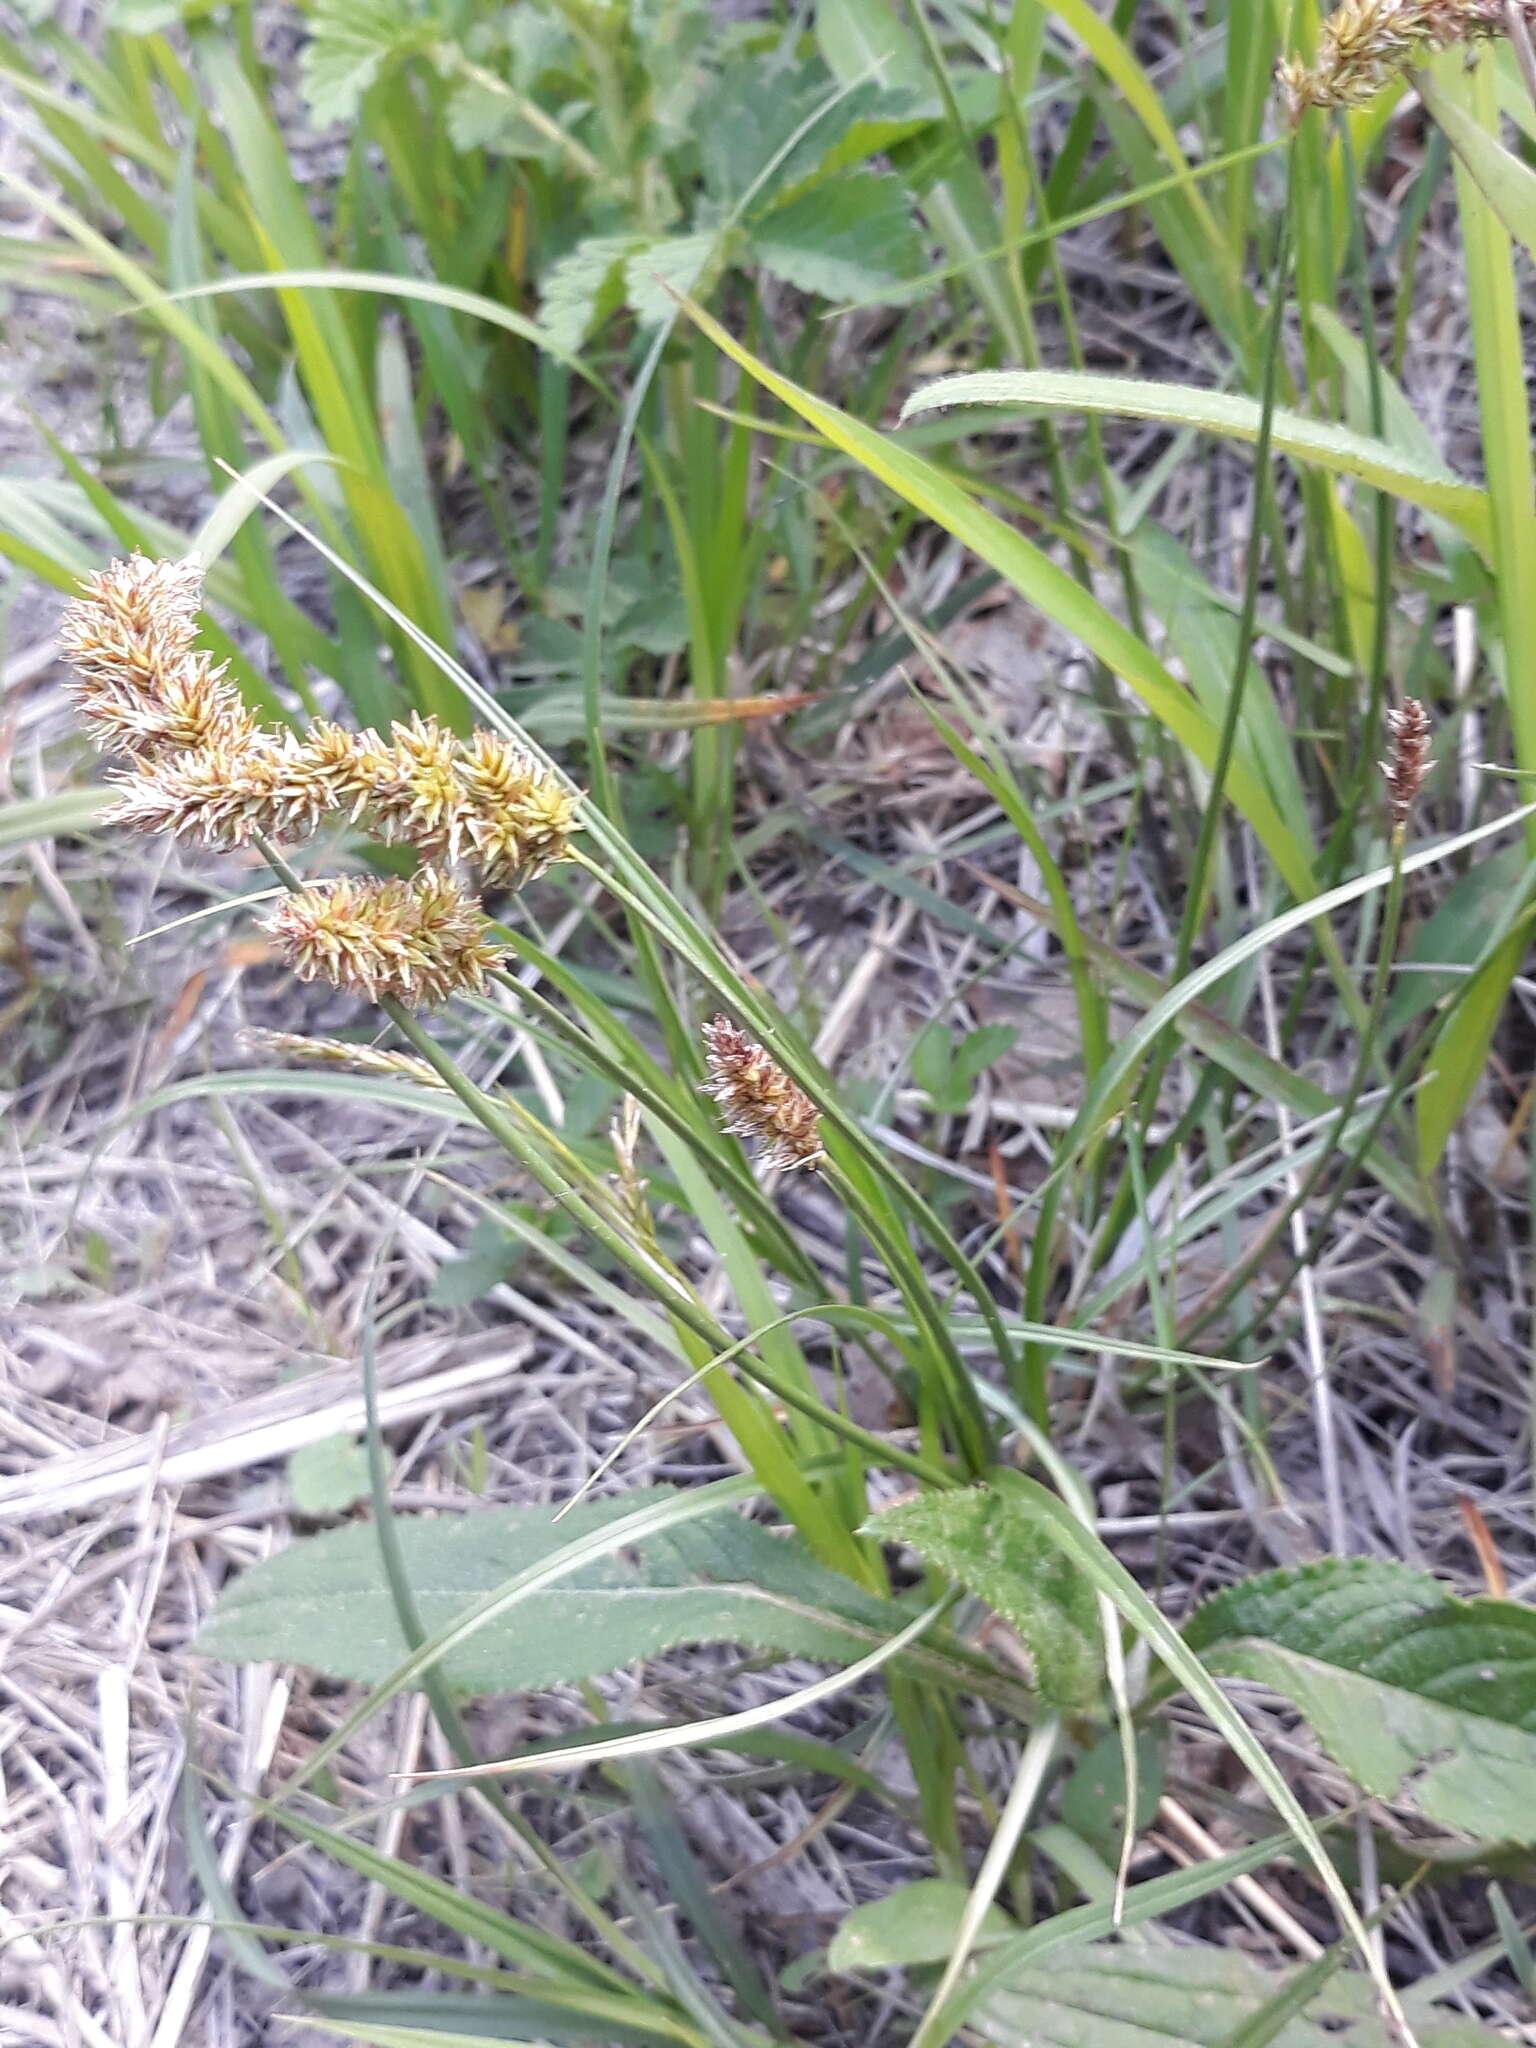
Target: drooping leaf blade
x,y
1234,416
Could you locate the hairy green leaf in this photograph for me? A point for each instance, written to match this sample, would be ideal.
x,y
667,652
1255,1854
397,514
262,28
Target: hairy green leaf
x,y
585,286
352,41
1425,1699
1405,474
1189,1996
324,1601
849,239
990,1541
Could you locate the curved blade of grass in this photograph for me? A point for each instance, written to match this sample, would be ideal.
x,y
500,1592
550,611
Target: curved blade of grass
x,y
59,816
1103,1096
1042,582
1384,465
701,1734
240,499
385,285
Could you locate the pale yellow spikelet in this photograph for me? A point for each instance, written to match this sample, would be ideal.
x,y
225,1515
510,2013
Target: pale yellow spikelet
x,y
759,1099
221,795
201,768
140,684
416,794
336,1052
1364,41
519,818
419,941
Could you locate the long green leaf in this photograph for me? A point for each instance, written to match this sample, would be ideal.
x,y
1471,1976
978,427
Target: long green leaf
x,y
1384,465
1042,582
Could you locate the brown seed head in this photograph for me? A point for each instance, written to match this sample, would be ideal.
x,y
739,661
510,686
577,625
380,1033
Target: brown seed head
x,y
1365,41
759,1099
420,941
139,682
1408,763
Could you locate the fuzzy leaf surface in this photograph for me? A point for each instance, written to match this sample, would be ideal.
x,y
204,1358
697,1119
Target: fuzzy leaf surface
x,y
324,1601
991,1541
1425,1699
1104,1995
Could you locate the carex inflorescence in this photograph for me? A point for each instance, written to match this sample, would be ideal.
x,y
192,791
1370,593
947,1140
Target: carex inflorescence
x,y
200,766
1365,41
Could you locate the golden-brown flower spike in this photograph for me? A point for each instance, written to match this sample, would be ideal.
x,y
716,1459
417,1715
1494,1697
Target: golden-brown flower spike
x,y
1408,763
518,818
139,682
759,1099
1365,41
419,941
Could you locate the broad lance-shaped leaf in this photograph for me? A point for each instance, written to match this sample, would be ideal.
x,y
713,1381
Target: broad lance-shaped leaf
x,y
990,1541
1103,1995
324,1601
1403,473
1423,1698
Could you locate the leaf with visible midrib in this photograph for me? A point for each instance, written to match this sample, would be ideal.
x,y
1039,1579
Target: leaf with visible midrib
x,y
1189,1996
1425,1699
324,1601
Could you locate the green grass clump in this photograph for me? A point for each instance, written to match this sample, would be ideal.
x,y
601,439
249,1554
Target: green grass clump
x,y
716,337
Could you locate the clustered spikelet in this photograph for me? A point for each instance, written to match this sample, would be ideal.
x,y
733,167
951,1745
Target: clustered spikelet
x,y
419,941
483,800
140,684
337,1052
202,768
1365,41
759,1099
1408,763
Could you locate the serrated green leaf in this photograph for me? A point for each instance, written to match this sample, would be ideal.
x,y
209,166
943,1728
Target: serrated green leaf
x,y
585,287
677,263
991,1542
849,239
350,43
1425,1699
324,1600
1189,1996
765,125
909,1927
864,39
